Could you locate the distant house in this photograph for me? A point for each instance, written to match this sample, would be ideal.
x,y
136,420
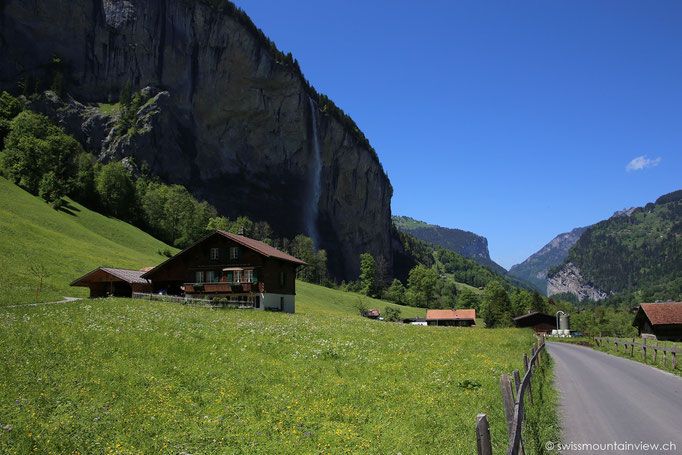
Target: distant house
x,y
105,281
659,321
414,321
541,322
456,318
228,266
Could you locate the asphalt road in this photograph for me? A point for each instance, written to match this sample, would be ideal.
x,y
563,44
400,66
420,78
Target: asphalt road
x,y
608,399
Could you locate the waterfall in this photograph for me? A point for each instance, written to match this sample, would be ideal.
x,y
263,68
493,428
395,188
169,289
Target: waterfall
x,y
315,179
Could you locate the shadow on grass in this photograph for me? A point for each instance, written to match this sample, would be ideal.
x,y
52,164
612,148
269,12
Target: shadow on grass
x,y
69,209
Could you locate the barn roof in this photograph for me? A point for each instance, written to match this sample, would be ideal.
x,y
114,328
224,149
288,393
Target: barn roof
x,y
129,276
255,245
662,313
447,315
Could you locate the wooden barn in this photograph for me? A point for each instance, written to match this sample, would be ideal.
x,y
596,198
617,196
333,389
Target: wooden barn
x,y
659,321
541,322
230,267
106,281
453,318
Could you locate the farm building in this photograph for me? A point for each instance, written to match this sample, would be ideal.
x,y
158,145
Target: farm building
x,y
228,266
414,321
541,322
106,281
659,321
456,318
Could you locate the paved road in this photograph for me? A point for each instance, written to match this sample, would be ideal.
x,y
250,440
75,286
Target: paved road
x,y
607,399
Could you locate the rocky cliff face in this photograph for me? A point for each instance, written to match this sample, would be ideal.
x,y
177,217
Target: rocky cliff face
x,y
226,118
569,280
534,269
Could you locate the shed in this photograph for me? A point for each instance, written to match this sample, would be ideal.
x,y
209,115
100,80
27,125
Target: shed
x,y
457,318
659,321
541,322
106,281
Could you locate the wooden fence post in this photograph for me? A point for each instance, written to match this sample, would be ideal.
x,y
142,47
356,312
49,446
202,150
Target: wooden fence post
x,y
526,367
508,401
656,352
483,442
674,355
644,349
517,382
632,348
665,354
540,354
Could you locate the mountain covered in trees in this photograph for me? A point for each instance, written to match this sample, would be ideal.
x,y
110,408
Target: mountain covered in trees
x,y
535,268
195,93
636,256
466,243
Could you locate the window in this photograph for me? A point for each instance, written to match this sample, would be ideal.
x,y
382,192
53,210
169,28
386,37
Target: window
x,y
199,277
234,252
237,276
215,253
248,276
282,279
210,276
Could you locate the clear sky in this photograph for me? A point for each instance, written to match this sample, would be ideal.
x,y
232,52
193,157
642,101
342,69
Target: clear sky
x,y
516,120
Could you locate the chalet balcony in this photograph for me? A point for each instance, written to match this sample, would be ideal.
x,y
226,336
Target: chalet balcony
x,y
220,287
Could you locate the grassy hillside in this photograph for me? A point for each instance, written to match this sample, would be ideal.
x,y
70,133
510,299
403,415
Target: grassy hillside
x,y
129,376
315,299
66,243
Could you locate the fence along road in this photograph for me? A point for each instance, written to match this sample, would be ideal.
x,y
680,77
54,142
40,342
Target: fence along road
x,y
606,399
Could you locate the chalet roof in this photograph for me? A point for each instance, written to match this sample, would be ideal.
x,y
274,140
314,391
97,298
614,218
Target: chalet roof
x,y
662,313
129,276
447,315
532,315
260,247
255,245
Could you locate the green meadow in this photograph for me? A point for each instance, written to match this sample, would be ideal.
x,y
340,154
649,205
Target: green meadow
x,y
65,244
132,376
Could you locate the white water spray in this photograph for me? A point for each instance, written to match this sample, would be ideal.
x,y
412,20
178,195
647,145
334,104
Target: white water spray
x,y
315,179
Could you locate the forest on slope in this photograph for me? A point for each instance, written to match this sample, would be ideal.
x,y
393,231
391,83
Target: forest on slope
x,y
637,256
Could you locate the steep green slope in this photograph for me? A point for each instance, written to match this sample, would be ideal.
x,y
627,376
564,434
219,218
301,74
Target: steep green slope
x,y
67,244
640,252
466,243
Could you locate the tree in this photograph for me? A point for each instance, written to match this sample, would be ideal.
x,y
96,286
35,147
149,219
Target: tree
x,y
34,147
538,303
381,274
10,107
367,274
421,286
396,292
496,306
521,302
116,190
361,306
39,271
469,299
51,190
391,313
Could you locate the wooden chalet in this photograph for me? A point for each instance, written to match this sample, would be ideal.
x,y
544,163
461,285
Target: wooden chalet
x,y
106,281
454,318
541,322
659,321
228,266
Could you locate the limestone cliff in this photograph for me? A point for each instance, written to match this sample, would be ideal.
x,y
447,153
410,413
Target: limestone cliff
x,y
535,268
569,280
228,117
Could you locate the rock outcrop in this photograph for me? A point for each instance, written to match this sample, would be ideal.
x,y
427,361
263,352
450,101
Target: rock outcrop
x,y
535,268
227,118
569,280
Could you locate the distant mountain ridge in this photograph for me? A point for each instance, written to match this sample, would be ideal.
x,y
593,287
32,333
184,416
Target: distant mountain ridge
x,y
636,253
535,268
466,243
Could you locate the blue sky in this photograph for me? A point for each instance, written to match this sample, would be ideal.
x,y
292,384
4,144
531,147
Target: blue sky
x,y
516,120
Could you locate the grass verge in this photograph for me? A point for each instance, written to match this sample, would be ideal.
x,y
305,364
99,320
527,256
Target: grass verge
x,y
542,418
